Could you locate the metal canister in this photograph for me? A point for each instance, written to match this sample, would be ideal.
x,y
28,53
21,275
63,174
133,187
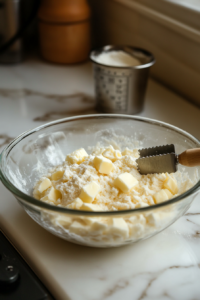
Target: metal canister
x,y
121,89
10,13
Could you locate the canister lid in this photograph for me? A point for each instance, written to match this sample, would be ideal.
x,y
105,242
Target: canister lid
x,y
63,11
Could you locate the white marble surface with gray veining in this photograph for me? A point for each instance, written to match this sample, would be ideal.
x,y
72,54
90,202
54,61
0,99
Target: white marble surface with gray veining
x,y
164,267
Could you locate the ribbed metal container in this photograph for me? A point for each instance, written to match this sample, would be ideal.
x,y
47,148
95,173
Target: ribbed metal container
x,y
121,89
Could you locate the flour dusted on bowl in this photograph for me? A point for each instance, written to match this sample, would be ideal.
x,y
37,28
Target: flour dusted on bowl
x,y
105,180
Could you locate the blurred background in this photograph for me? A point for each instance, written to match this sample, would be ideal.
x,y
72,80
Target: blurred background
x,y
46,74
169,29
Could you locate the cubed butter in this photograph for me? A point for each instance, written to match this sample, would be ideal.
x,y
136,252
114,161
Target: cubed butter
x,y
63,221
141,204
153,219
77,156
52,195
78,228
98,227
90,207
57,175
120,206
76,204
87,220
119,227
103,164
112,154
44,185
89,192
136,230
125,182
169,194
133,153
171,185
160,196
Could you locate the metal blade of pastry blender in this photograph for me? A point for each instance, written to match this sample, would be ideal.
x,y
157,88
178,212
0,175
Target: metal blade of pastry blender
x,y
159,159
157,164
157,150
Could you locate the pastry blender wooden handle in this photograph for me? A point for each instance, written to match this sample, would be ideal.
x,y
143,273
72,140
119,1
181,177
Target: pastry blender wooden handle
x,y
190,157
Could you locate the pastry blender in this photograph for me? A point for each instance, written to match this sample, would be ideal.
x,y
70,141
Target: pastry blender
x,y
162,159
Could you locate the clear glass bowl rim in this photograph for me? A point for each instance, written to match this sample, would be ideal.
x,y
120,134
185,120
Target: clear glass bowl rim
x,y
32,201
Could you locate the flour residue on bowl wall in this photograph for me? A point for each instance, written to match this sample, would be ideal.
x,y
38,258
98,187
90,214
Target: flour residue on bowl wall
x,y
73,177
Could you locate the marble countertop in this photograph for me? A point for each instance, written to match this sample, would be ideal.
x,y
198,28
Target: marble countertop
x,y
164,267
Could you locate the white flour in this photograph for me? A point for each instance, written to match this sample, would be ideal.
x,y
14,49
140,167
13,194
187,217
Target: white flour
x,y
117,59
110,231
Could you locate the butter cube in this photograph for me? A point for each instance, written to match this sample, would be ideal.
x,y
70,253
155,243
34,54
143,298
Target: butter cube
x,y
112,154
90,207
141,204
169,194
52,195
171,185
153,219
77,156
119,227
87,220
63,221
125,182
121,206
136,230
98,227
78,228
57,175
133,153
103,165
76,204
89,192
44,185
139,219
160,196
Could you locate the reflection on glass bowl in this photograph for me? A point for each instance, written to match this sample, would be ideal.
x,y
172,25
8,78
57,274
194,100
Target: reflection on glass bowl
x,y
29,156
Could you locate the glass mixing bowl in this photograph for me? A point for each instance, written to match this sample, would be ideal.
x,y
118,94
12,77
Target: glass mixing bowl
x,y
29,156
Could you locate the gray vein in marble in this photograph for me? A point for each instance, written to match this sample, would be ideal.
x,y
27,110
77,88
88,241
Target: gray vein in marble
x,y
197,233
78,97
5,139
123,283
61,114
191,222
144,294
18,93
192,214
